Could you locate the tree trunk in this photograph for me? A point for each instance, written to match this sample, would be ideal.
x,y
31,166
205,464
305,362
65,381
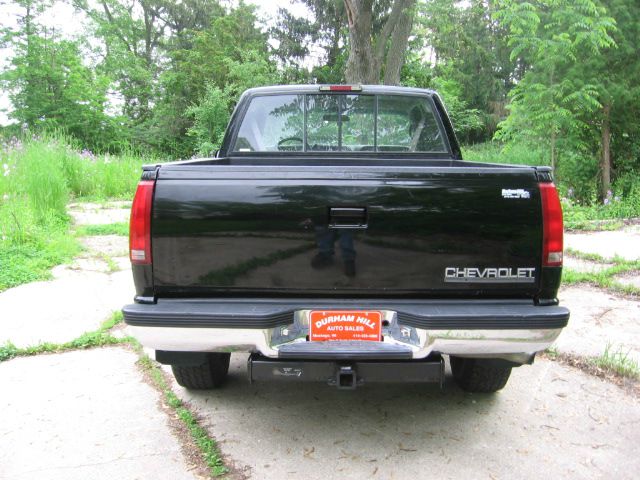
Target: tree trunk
x,y
368,55
605,160
30,84
398,47
361,65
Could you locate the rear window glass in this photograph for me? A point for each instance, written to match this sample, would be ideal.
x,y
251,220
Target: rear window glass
x,y
272,123
348,123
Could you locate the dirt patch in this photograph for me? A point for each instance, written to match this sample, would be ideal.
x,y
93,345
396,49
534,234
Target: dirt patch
x,y
123,263
630,385
597,319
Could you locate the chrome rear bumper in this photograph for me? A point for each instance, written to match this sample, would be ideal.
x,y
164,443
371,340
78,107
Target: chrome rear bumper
x,y
515,345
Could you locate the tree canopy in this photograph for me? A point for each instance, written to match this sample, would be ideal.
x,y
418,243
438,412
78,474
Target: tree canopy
x,y
560,76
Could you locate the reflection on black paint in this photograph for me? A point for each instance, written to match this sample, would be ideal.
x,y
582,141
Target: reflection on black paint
x,y
230,233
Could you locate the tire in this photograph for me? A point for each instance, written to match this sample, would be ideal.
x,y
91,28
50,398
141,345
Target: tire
x,y
479,375
211,374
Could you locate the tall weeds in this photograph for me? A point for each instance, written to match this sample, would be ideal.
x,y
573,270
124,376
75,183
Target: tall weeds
x,y
38,177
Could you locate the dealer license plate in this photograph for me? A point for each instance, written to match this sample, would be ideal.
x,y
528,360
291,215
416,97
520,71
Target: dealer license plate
x,y
345,325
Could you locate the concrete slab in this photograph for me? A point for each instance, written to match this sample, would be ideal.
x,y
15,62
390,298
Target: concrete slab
x,y
630,278
123,263
83,415
586,266
84,213
88,264
62,309
551,421
112,245
623,243
599,318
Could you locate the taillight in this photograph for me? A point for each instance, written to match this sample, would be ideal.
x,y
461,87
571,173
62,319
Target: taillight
x,y
140,224
340,88
552,228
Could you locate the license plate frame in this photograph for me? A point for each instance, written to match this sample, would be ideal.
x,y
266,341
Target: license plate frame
x,y
345,325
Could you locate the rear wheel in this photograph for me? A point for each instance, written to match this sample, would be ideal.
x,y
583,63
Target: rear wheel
x,y
211,374
479,375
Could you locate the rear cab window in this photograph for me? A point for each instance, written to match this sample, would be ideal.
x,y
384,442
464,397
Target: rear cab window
x,y
340,123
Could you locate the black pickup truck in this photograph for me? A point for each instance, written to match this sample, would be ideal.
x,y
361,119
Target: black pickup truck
x,y
338,236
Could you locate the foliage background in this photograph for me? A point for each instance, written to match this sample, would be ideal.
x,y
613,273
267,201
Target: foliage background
x,y
551,82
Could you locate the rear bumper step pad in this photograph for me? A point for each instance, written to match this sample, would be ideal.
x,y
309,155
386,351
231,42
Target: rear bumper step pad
x,y
343,349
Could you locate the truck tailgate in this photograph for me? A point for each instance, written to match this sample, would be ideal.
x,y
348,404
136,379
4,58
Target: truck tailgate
x,y
411,231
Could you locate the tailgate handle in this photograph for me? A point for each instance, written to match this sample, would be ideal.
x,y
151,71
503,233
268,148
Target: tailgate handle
x,y
348,217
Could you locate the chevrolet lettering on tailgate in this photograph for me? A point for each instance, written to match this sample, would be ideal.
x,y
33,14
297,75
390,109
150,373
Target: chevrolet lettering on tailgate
x,y
489,275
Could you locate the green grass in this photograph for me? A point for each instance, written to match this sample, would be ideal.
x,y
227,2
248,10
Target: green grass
x,y
103,177
592,257
38,177
32,260
601,217
113,266
115,319
205,443
604,278
120,228
593,225
495,152
618,362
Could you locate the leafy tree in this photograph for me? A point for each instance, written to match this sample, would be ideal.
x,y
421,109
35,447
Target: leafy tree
x,y
615,76
553,36
294,36
210,116
198,60
212,113
132,32
330,22
468,47
51,88
321,35
464,118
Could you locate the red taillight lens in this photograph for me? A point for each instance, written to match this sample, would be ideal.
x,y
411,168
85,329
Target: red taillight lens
x,y
140,224
552,227
340,88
